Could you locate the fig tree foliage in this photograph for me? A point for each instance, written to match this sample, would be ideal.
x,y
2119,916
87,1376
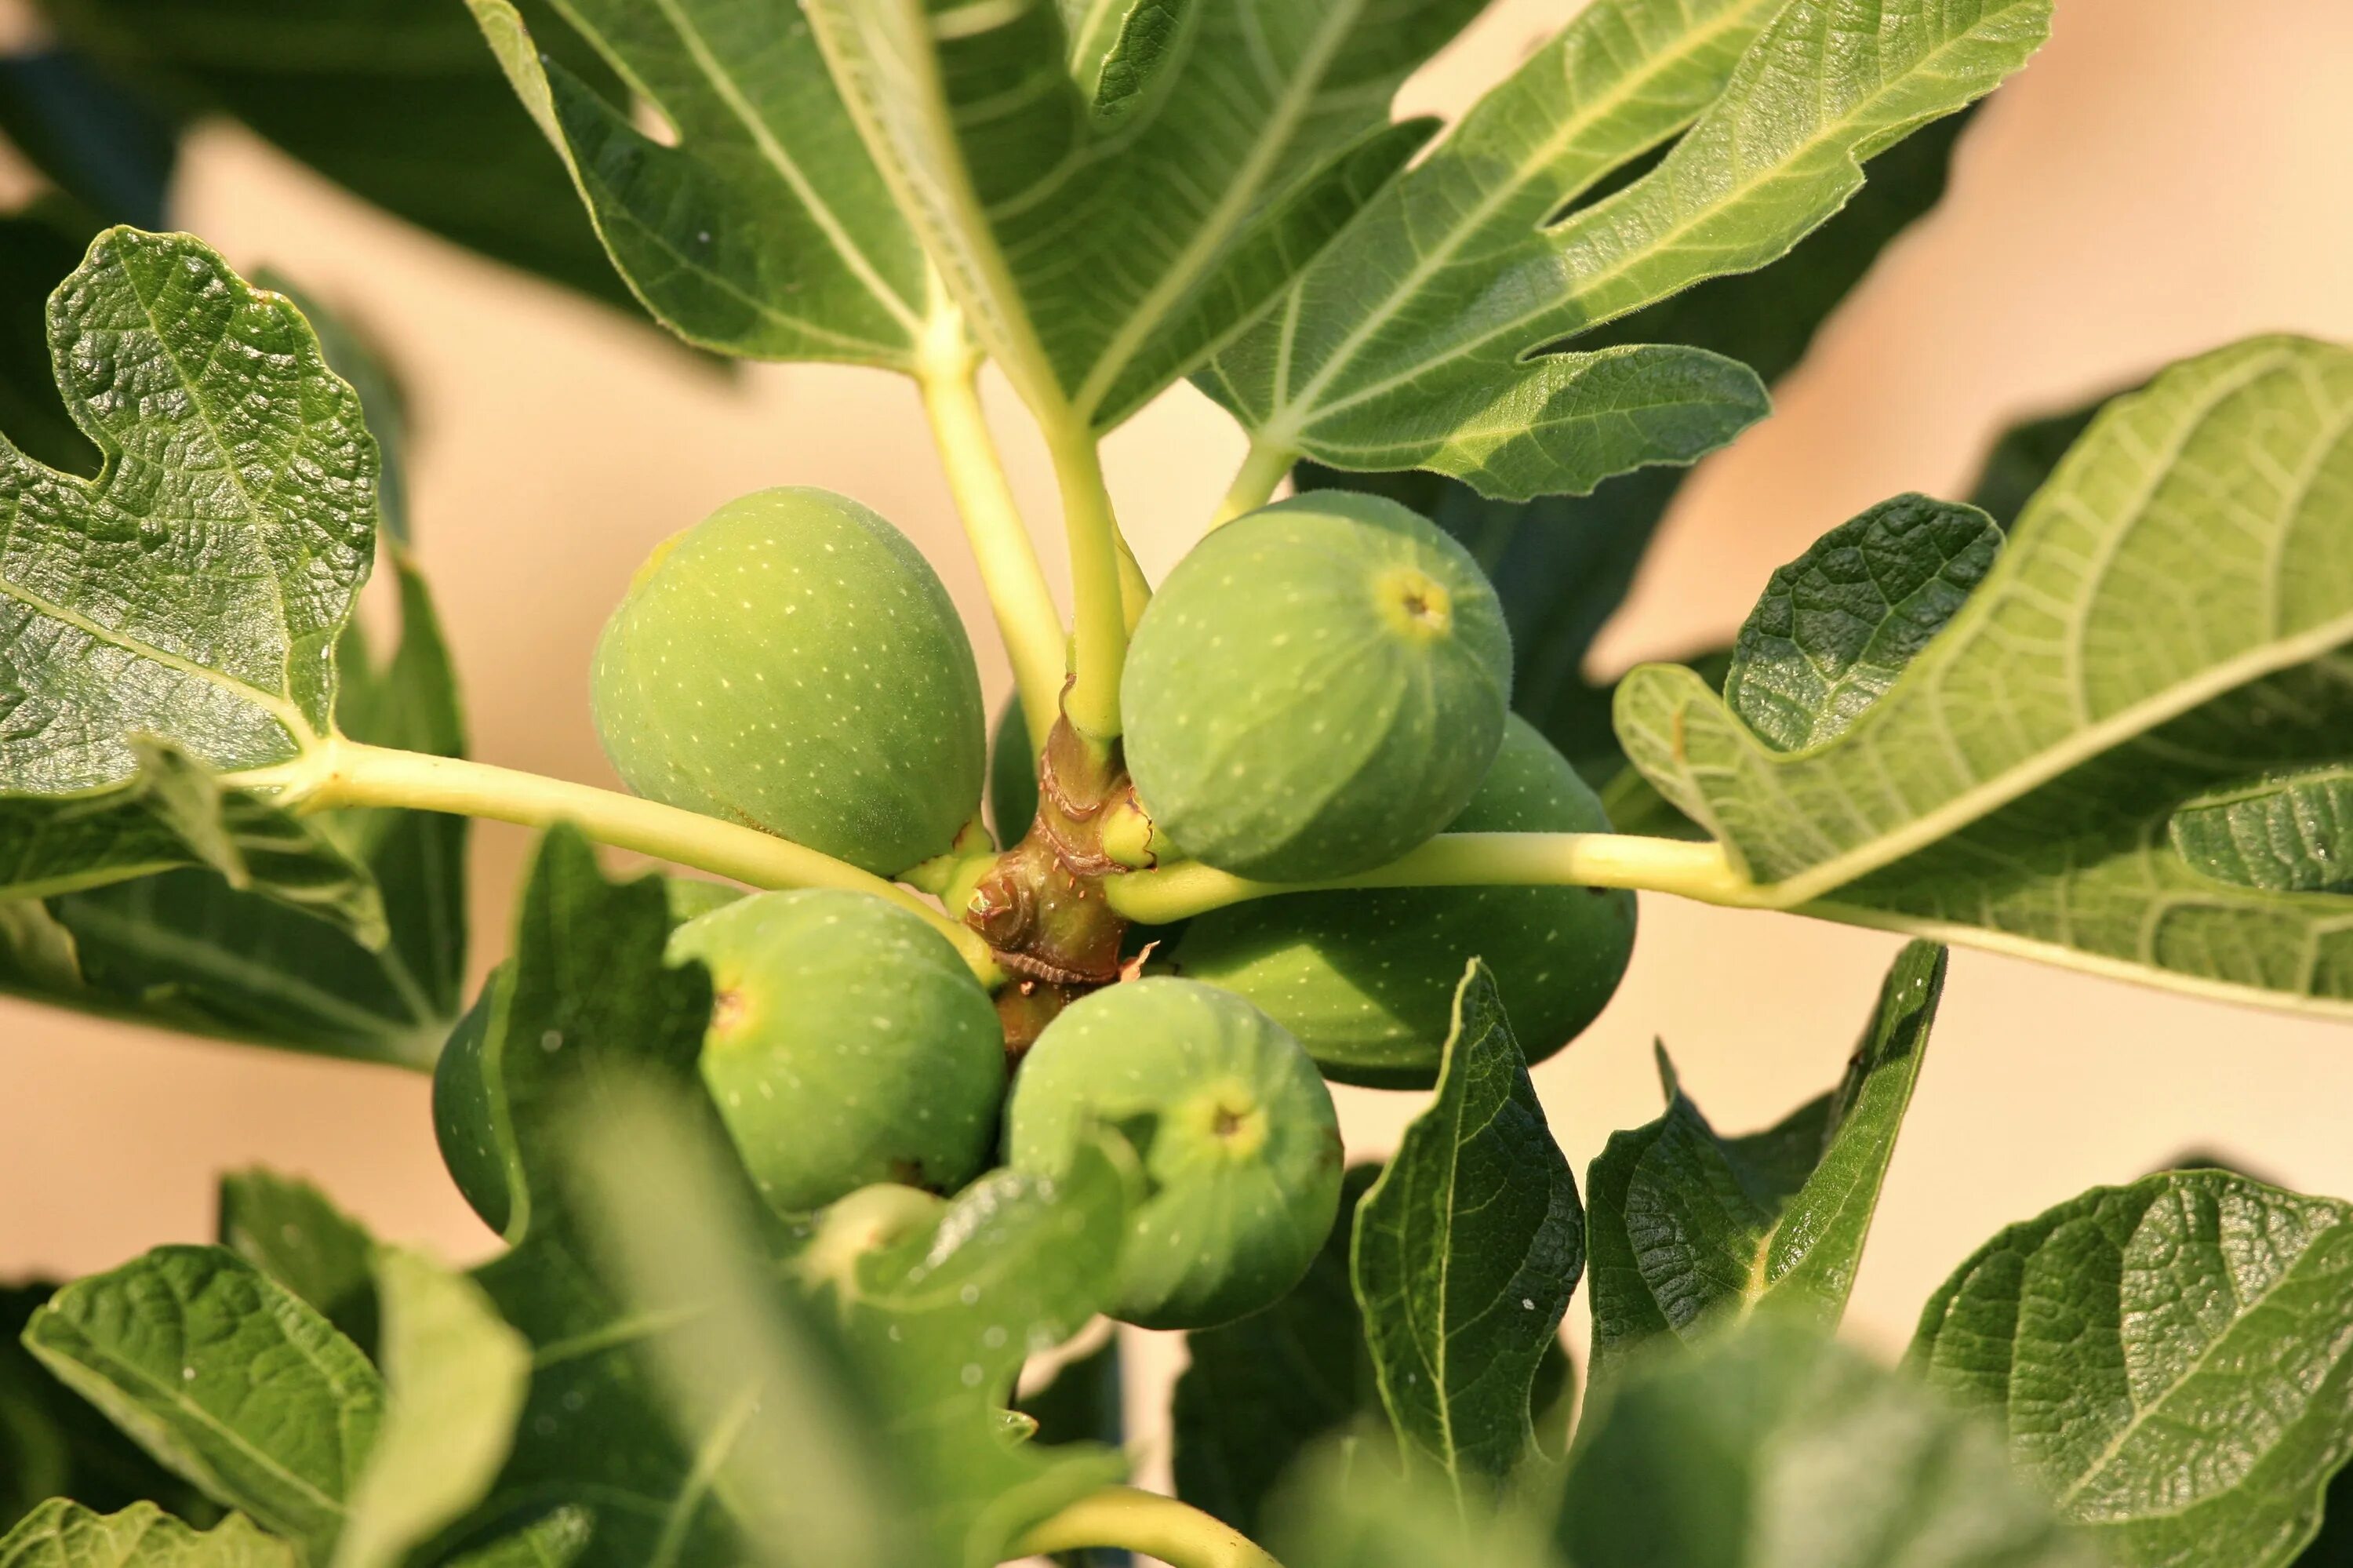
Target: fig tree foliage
x,y
824,1165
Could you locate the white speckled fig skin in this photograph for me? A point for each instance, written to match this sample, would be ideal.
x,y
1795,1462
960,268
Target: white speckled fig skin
x,y
849,1045
1240,1141
1367,979
792,663
1316,688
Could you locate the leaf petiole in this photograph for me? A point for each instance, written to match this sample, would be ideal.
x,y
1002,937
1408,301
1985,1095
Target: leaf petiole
x,y
338,772
1263,469
1697,871
1099,590
947,372
1150,1525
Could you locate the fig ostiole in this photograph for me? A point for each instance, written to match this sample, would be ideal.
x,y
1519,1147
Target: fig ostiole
x,y
1316,688
1367,979
793,662
849,1045
1236,1133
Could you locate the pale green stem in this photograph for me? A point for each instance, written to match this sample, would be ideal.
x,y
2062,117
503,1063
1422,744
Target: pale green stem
x,y
1464,860
1134,591
1149,1524
340,772
1262,470
1018,596
1098,594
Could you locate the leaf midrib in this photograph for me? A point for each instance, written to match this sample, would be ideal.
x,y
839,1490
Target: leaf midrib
x,y
730,94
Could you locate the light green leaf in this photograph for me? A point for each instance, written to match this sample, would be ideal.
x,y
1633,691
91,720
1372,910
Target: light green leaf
x,y
1109,207
940,1325
2291,833
1346,1508
228,1378
287,1229
766,231
1838,625
556,1539
194,590
188,950
1775,1447
64,1535
1688,1229
803,1460
2016,780
339,83
1466,1252
2170,1360
455,1375
1419,338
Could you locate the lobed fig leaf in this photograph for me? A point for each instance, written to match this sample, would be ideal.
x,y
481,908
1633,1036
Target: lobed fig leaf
x,y
849,1045
1317,687
1367,979
1239,1140
793,662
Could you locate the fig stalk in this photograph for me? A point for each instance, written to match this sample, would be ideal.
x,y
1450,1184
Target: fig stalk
x,y
1147,1523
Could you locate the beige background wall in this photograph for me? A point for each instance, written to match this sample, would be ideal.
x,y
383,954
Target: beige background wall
x,y
2170,173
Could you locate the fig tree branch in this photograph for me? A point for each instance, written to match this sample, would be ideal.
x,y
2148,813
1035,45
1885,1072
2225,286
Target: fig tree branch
x,y
1031,627
1149,1525
340,772
1462,860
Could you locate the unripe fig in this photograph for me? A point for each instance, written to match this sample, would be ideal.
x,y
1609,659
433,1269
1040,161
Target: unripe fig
x,y
1239,1144
1316,688
792,663
849,1045
462,1124
864,1223
1367,979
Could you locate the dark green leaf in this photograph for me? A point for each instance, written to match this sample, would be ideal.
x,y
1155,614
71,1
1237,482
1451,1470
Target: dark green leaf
x,y
1466,1252
587,1011
1835,627
1258,1393
764,231
63,1535
342,85
2171,1359
287,1229
1083,1403
1106,230
38,245
53,1443
1348,1507
226,1377
2291,833
1689,1228
1777,1449
102,147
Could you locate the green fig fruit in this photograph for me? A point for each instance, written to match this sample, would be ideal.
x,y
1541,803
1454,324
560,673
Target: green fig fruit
x,y
1316,688
462,1123
792,663
1367,979
849,1045
1239,1144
